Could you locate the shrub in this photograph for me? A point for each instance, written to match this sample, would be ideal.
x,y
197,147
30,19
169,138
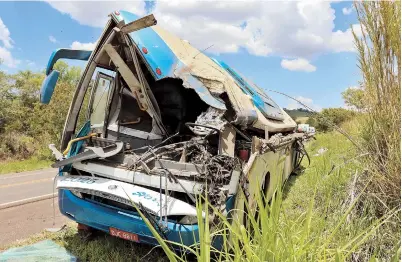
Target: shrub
x,y
328,117
26,126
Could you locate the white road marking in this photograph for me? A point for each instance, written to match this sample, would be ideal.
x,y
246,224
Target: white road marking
x,y
27,200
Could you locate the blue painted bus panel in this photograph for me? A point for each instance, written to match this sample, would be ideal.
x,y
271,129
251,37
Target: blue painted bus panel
x,y
261,100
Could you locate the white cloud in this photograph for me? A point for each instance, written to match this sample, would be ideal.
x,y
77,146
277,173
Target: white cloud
x,y
7,59
94,13
289,29
82,46
305,100
299,64
347,11
343,40
52,39
5,35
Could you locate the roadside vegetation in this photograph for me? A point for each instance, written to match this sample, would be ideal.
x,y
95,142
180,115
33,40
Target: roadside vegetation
x,y
344,206
26,126
16,166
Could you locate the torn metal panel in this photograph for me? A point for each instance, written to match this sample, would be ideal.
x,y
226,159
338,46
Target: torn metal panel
x,y
159,55
264,103
214,86
227,140
129,77
183,72
212,117
139,24
204,93
91,153
140,178
170,56
276,141
181,167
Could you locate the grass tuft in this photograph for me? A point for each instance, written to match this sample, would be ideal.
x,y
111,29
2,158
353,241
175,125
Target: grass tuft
x,y
16,166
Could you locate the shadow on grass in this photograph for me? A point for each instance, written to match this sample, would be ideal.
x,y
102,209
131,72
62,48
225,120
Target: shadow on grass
x,y
103,247
292,181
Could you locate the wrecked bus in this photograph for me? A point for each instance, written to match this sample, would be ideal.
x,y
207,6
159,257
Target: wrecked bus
x,y
156,122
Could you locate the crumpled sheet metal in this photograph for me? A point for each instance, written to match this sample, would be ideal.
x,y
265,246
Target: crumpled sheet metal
x,y
178,59
195,68
212,117
209,79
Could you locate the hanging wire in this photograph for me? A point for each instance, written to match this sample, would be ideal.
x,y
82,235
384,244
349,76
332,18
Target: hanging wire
x,y
203,50
53,197
340,130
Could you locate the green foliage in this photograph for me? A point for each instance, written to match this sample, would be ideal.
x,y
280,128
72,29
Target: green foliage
x,y
26,126
297,113
354,97
328,117
23,165
311,121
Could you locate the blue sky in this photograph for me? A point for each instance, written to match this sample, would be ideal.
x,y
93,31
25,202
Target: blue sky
x,y
303,50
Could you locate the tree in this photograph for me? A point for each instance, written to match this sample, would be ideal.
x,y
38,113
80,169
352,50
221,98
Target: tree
x,y
354,98
27,126
328,117
311,121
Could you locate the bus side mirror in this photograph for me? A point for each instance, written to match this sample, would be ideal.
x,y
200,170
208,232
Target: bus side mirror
x,y
48,86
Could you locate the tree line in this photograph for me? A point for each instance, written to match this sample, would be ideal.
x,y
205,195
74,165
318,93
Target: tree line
x,y
27,126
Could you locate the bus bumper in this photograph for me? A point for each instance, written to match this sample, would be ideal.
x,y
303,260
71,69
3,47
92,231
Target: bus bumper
x,y
103,218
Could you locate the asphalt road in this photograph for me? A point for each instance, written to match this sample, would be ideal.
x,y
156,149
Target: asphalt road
x,y
23,220
19,186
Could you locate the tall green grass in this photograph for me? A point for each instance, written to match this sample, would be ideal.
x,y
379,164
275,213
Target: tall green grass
x,y
379,59
315,217
15,166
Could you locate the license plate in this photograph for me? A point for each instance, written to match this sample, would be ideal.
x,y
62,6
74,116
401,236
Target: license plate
x,y
124,235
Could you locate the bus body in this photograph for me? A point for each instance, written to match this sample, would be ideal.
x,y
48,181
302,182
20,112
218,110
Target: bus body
x,y
156,123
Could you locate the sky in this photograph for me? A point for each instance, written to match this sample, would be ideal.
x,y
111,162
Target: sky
x,y
304,49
